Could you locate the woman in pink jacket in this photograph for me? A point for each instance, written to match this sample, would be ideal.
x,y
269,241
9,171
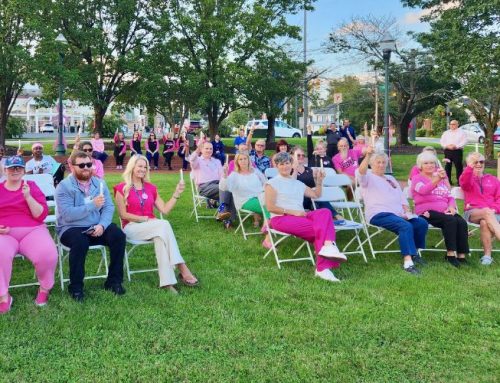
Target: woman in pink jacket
x,y
346,160
482,202
434,203
22,211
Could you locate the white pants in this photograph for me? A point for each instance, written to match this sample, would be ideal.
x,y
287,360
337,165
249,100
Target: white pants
x,y
166,249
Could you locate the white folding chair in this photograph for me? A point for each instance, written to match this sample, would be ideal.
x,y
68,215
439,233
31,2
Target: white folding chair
x,y
24,284
328,171
134,244
198,201
271,173
244,215
339,201
458,194
331,194
46,184
276,237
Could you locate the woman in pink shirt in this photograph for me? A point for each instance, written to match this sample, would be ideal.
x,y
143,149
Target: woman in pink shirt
x,y
136,199
22,211
346,160
482,202
98,146
434,203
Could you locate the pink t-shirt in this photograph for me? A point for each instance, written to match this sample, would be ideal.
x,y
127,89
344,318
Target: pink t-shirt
x,y
428,196
98,169
139,202
97,145
350,164
14,210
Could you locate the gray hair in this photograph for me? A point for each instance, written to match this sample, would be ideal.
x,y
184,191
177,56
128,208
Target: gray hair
x,y
472,156
378,155
282,157
426,156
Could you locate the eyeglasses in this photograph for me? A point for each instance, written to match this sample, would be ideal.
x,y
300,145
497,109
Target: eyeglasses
x,y
86,164
16,168
301,155
87,150
481,162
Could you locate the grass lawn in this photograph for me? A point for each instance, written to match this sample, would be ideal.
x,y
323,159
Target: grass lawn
x,y
250,321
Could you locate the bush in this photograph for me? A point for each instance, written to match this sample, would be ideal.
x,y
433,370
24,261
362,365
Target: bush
x,y
421,132
109,125
15,127
225,130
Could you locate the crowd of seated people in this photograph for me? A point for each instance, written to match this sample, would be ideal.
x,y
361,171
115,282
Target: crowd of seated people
x,y
85,207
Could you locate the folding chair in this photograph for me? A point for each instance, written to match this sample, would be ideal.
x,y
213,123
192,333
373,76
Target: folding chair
x,y
458,194
339,201
328,171
198,201
243,215
331,194
276,237
271,173
134,244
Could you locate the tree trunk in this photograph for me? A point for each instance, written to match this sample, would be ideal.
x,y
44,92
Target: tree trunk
x,y
270,129
402,137
99,113
213,116
4,107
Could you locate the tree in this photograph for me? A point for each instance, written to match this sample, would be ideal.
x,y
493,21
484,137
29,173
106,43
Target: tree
x,y
215,43
20,33
465,41
107,41
418,87
274,81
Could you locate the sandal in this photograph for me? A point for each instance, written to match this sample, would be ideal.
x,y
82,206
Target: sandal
x,y
188,283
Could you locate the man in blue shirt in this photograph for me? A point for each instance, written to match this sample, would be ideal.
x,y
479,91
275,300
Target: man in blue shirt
x,y
84,218
241,139
257,155
348,132
218,152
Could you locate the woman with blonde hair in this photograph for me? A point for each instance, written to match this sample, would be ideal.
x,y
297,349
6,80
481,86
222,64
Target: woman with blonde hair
x,y
136,199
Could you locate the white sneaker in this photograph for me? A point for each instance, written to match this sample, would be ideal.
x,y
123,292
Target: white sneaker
x,y
327,275
332,252
486,260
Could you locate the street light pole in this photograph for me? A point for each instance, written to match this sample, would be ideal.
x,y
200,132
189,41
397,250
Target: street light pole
x,y
60,149
387,45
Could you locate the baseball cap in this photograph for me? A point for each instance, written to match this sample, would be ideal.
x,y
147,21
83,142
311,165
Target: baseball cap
x,y
13,162
36,145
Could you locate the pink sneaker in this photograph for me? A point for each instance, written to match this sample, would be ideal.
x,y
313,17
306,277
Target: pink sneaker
x,y
5,306
41,298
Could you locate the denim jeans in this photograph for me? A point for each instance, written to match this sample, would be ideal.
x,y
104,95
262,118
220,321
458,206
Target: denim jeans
x,y
411,233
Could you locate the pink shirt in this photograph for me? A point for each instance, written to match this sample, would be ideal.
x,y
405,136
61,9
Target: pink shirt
x,y
428,196
455,137
348,165
147,196
381,195
480,192
97,145
98,168
14,210
205,170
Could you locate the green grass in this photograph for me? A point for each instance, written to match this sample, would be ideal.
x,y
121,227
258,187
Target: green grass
x,y
250,321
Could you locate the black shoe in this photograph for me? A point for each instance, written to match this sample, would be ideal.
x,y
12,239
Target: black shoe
x,y
412,270
419,260
78,296
453,261
117,288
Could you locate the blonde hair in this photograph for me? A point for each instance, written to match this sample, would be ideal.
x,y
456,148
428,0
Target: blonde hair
x,y
427,156
127,174
237,166
320,143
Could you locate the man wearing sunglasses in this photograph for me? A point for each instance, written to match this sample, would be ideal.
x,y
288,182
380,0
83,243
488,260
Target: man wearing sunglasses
x,y
84,215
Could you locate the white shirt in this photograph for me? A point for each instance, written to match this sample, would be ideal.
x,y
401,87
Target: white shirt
x,y
455,137
243,186
289,193
47,164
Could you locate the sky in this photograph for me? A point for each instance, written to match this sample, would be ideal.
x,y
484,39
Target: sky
x,y
328,15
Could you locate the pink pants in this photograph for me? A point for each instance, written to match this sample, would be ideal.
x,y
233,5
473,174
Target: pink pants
x,y
316,227
36,244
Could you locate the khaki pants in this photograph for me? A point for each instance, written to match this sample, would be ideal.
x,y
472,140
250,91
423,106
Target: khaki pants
x,y
166,249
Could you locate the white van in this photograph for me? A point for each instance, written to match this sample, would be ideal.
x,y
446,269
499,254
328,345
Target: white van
x,y
281,129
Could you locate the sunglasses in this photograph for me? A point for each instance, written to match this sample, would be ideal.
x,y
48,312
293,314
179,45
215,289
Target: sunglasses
x,y
86,164
87,150
481,162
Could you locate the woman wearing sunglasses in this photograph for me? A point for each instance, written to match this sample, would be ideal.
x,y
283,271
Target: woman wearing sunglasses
x,y
387,207
97,166
153,150
22,211
482,202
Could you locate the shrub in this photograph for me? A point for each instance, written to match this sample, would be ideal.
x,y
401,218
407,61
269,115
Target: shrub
x,y
15,127
421,132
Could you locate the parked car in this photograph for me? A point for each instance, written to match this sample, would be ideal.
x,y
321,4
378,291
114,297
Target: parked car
x,y
474,132
47,128
281,129
496,136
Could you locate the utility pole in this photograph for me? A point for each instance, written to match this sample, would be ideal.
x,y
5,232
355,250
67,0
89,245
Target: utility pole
x,y
306,97
376,102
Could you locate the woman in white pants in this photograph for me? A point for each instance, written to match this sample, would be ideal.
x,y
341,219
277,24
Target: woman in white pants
x,y
136,199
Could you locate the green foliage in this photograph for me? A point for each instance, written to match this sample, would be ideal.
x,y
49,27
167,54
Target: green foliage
x,y
421,132
15,127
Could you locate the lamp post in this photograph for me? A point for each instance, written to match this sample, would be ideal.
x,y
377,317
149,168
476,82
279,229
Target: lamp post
x,y
60,150
388,44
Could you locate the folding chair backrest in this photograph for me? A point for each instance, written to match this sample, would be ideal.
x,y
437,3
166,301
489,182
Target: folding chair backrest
x,y
44,181
337,180
331,193
271,173
328,171
457,193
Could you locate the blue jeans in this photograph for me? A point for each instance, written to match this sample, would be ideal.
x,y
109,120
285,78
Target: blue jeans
x,y
411,233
